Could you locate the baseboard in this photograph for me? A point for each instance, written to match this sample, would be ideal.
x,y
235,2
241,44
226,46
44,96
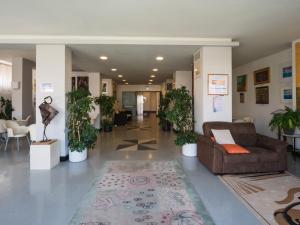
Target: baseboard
x,y
64,158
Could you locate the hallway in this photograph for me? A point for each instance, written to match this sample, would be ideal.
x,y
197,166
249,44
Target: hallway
x,y
59,191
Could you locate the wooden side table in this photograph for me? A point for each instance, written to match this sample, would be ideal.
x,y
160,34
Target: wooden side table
x,y
44,155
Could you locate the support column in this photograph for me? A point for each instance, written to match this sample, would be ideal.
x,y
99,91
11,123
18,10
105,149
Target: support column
x,y
53,68
183,78
211,60
22,87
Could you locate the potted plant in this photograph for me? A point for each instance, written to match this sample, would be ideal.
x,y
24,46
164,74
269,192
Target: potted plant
x,y
81,134
285,122
179,112
107,111
163,122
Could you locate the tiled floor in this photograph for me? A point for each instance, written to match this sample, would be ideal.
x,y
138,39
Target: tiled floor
x,y
51,197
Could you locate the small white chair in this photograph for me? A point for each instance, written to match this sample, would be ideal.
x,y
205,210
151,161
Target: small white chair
x,y
24,122
14,130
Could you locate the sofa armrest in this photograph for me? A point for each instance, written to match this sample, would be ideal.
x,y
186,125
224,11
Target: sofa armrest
x,y
210,154
271,143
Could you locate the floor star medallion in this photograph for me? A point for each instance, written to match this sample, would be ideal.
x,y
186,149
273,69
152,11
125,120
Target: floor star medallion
x,y
136,144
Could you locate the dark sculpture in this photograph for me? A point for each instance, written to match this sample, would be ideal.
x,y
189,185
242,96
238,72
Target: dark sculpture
x,y
47,113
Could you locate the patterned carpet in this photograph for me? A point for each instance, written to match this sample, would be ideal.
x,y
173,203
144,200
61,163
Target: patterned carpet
x,y
142,193
273,197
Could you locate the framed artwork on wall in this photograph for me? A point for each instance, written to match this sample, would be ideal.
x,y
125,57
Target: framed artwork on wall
x,y
83,82
287,95
73,83
242,98
262,76
169,86
104,88
218,84
262,95
241,83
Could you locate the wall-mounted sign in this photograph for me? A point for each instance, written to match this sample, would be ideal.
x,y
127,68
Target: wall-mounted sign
x,y
218,84
46,87
218,103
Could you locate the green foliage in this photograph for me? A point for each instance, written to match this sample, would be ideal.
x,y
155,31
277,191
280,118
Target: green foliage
x,y
164,104
179,112
289,120
6,109
107,109
81,133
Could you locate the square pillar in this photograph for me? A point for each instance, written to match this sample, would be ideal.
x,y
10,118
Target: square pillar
x,y
53,68
211,60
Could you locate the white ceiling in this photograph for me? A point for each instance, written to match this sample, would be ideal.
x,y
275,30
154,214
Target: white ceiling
x,y
262,27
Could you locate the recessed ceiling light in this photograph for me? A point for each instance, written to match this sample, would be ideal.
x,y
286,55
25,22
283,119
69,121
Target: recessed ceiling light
x,y
155,69
152,75
114,69
126,83
151,80
159,58
149,83
123,80
120,75
103,57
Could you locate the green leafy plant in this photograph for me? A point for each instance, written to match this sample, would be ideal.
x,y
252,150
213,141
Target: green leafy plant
x,y
6,109
285,122
179,112
107,110
81,134
164,104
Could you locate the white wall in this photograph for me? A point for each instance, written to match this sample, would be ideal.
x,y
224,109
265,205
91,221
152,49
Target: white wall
x,y
54,66
183,78
261,113
134,88
213,60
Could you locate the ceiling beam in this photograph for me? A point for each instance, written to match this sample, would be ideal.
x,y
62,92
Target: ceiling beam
x,y
126,40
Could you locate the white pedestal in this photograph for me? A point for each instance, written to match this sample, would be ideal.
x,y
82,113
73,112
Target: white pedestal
x,y
44,155
189,150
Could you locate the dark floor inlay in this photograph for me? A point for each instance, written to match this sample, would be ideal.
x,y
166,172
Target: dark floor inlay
x,y
137,145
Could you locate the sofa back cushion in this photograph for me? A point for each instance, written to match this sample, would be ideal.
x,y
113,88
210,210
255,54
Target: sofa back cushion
x,y
243,134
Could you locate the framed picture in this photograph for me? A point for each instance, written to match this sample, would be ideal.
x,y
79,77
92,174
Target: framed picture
x,y
262,95
104,88
287,95
169,86
262,76
83,82
73,83
241,83
242,98
287,72
218,84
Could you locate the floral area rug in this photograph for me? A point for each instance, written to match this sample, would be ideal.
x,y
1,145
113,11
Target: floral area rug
x,y
142,193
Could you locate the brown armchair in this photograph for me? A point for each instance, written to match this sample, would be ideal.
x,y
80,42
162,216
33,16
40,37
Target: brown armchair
x,y
266,154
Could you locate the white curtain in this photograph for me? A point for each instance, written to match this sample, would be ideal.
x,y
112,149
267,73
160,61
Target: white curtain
x,y
5,79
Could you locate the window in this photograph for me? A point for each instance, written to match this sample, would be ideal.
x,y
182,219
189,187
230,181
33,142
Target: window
x,y
5,79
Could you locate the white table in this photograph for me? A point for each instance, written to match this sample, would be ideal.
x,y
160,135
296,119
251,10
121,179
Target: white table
x,y
294,137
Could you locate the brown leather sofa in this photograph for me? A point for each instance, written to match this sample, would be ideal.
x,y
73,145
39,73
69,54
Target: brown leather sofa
x,y
266,154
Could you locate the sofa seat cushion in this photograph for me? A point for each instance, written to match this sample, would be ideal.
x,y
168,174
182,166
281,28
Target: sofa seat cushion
x,y
264,155
235,149
240,158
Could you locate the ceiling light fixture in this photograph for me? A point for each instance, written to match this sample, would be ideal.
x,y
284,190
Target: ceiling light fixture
x,y
123,80
126,83
155,69
159,58
120,75
152,76
114,69
103,57
151,80
149,83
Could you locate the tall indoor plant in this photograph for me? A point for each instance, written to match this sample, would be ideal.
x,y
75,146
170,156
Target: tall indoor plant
x,y
164,104
81,134
179,112
285,122
107,111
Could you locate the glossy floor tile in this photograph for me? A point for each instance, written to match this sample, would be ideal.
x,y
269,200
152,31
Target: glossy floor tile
x,y
51,197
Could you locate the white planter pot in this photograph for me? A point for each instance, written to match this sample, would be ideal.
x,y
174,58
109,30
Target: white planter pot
x,y
189,150
77,156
